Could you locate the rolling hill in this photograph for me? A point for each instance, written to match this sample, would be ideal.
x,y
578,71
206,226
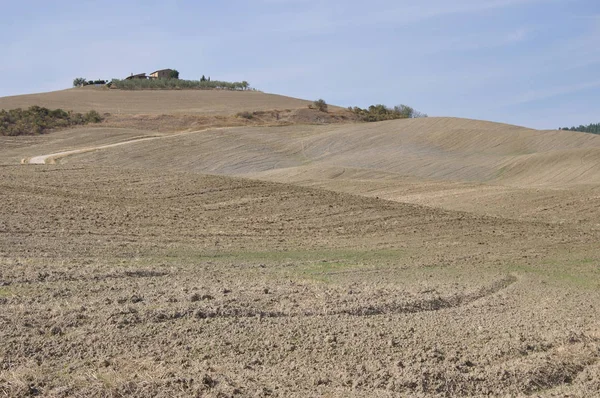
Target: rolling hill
x,y
441,149
155,102
456,164
424,257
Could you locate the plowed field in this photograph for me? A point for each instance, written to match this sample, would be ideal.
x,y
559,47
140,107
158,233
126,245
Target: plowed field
x,y
419,258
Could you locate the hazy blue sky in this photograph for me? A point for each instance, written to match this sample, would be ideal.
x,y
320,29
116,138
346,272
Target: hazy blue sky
x,y
529,62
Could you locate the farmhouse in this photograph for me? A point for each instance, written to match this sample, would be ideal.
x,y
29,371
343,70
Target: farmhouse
x,y
161,74
138,76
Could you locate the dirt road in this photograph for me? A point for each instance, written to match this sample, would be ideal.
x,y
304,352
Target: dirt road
x,y
51,158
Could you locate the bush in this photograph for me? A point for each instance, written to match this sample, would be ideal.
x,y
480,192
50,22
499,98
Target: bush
x,y
319,104
38,120
245,115
92,117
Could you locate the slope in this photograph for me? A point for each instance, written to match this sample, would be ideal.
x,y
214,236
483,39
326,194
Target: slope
x,y
483,167
442,149
154,102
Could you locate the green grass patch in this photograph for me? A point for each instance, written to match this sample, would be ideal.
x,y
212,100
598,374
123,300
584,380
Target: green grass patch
x,y
319,265
300,256
579,272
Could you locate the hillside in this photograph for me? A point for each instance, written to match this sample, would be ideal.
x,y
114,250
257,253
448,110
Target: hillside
x,y
424,257
155,102
456,164
442,149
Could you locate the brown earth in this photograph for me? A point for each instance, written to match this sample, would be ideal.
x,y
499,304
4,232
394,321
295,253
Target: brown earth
x,y
131,272
141,283
457,164
155,102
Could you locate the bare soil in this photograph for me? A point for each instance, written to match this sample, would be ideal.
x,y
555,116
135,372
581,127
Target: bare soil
x,y
117,282
155,102
418,258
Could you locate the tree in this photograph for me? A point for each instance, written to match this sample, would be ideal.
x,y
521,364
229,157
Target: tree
x,y
319,104
380,112
79,81
174,74
203,78
404,111
245,85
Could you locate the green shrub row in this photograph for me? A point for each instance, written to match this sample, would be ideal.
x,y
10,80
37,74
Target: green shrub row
x,y
38,120
141,84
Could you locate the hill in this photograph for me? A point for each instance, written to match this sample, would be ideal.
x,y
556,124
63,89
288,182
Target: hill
x,y
457,164
241,287
155,102
442,149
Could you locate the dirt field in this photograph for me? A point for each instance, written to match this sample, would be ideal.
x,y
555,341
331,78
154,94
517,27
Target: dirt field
x,y
457,164
130,282
155,102
418,258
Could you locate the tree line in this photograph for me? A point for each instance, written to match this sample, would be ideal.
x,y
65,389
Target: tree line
x,y
82,81
593,128
38,120
377,113
166,84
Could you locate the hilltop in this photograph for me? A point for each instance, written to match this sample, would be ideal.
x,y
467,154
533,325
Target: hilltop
x,y
154,102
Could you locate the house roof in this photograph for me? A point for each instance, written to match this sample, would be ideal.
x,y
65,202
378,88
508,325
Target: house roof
x,y
161,70
137,75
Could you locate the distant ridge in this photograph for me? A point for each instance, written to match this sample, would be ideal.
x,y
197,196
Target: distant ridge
x,y
192,102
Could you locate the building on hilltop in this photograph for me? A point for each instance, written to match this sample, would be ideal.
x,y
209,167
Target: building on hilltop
x,y
141,76
161,74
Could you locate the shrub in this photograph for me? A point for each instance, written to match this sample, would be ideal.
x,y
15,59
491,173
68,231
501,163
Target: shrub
x,y
92,117
245,115
38,120
319,104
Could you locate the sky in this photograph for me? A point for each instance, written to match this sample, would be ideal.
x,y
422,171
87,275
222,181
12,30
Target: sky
x,y
534,63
